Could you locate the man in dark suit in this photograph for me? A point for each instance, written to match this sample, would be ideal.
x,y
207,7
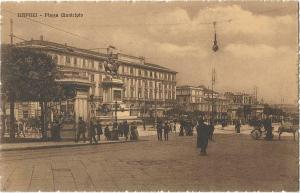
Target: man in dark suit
x,y
159,128
166,131
268,127
238,126
126,129
81,130
92,132
202,136
98,130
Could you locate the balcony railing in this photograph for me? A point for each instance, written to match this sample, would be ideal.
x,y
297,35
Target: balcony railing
x,y
74,77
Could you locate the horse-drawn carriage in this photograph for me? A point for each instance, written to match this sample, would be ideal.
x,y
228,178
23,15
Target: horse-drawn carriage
x,y
288,127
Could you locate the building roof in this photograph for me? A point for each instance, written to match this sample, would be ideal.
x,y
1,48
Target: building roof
x,y
202,87
66,48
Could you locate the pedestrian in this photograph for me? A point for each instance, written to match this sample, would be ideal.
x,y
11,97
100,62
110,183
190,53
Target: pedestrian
x,y
268,127
211,129
21,129
92,132
98,130
202,136
114,135
133,132
126,129
81,130
238,126
223,124
54,130
16,125
174,127
120,130
181,131
170,124
159,128
189,129
144,124
107,133
166,131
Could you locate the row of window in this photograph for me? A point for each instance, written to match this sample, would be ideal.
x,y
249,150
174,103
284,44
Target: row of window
x,y
97,65
148,94
77,62
207,107
189,92
147,83
146,73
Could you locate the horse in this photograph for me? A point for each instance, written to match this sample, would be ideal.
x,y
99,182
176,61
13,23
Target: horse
x,y
288,129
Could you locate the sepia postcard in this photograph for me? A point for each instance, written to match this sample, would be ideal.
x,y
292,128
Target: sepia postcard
x,y
149,96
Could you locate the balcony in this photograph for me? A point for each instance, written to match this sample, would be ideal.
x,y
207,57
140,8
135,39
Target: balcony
x,y
74,77
110,81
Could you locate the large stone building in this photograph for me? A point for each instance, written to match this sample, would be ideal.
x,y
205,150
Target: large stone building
x,y
229,105
202,99
142,88
243,106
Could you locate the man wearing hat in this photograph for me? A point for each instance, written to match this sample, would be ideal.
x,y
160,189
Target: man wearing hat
x,y
202,136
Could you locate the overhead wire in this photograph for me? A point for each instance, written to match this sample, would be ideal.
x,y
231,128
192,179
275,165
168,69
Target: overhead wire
x,y
50,26
128,25
19,38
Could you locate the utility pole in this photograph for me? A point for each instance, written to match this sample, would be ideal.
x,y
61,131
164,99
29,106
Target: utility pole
x,y
155,121
144,113
12,99
11,32
116,110
212,95
215,48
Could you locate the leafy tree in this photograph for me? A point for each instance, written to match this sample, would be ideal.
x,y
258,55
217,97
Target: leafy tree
x,y
9,78
29,75
267,110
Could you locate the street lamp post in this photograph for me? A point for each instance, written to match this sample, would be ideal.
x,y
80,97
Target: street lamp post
x,y
155,121
215,48
116,110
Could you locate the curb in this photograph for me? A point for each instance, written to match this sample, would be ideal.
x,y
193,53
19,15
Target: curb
x,y
67,145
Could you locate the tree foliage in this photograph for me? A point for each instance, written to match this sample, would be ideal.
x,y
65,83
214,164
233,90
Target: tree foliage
x,y
268,110
29,75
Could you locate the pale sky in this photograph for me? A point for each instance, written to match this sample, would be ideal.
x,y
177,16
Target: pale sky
x,y
257,48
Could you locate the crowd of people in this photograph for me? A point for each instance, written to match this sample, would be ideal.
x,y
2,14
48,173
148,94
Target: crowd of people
x,y
164,127
96,129
204,131
23,128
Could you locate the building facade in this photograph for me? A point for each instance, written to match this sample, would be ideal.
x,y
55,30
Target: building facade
x,y
202,99
143,88
243,106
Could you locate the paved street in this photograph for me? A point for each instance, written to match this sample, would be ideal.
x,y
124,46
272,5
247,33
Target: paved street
x,y
234,162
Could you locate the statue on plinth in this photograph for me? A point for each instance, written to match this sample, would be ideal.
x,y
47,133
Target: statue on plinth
x,y
111,64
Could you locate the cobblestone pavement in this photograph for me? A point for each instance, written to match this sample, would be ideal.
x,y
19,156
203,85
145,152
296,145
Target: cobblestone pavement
x,y
234,162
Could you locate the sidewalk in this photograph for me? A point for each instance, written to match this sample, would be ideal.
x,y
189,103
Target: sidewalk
x,y
68,143
50,144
